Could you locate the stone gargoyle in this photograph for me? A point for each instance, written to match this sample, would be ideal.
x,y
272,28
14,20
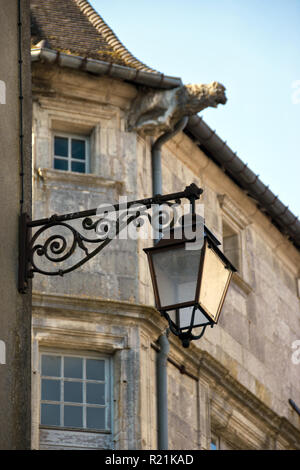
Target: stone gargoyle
x,y
159,110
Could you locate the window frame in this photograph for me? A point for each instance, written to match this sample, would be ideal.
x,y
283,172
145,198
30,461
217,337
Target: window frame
x,y
108,391
69,158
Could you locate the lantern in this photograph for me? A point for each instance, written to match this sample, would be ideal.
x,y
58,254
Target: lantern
x,y
190,278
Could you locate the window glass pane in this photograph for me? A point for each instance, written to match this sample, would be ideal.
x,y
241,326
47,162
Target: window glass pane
x,y
78,167
78,149
61,146
95,393
73,416
51,366
79,387
73,392
73,367
184,316
95,418
60,164
50,390
50,414
214,283
95,369
176,272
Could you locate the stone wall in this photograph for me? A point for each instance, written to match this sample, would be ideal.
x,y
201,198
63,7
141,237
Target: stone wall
x,y
240,374
113,274
261,317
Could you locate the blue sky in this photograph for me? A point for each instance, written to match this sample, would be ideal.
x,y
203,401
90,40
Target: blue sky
x,y
253,48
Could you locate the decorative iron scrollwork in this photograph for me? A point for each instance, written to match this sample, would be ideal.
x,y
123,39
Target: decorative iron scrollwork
x,y
58,249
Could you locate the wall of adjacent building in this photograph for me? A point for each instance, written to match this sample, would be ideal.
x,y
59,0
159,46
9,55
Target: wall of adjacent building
x,y
15,311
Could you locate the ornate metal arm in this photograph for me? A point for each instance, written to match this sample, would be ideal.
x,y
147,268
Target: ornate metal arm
x,y
57,248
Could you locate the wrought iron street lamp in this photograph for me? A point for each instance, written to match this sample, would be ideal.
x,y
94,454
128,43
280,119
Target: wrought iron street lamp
x,y
190,281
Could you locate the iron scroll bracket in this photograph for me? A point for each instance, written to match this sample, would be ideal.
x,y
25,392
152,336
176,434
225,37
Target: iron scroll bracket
x,y
57,249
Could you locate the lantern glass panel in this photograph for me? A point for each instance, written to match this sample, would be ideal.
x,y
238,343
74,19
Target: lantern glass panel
x,y
182,317
176,270
214,283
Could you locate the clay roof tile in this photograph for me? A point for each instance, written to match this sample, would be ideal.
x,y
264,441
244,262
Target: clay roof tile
x,y
74,27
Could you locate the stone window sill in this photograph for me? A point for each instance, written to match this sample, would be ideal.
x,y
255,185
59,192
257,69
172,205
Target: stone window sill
x,y
49,176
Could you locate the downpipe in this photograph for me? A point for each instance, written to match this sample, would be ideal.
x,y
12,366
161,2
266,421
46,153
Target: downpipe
x,y
156,154
162,356
162,393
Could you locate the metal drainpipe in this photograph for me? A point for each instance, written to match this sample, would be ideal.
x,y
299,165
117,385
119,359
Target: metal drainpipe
x,y
156,155
162,357
162,393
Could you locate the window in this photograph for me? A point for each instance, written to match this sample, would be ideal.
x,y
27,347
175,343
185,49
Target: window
x,y
214,443
75,392
218,443
231,245
70,153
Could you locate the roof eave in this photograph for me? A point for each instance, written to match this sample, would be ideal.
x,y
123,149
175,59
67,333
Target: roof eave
x,y
99,67
269,203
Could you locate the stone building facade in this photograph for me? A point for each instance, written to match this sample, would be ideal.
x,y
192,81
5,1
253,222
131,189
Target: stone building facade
x,y
96,328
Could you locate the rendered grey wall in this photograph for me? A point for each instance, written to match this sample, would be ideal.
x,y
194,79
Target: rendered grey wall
x,y
15,308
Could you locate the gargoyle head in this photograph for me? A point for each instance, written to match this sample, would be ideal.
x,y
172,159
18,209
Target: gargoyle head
x,y
158,111
202,96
